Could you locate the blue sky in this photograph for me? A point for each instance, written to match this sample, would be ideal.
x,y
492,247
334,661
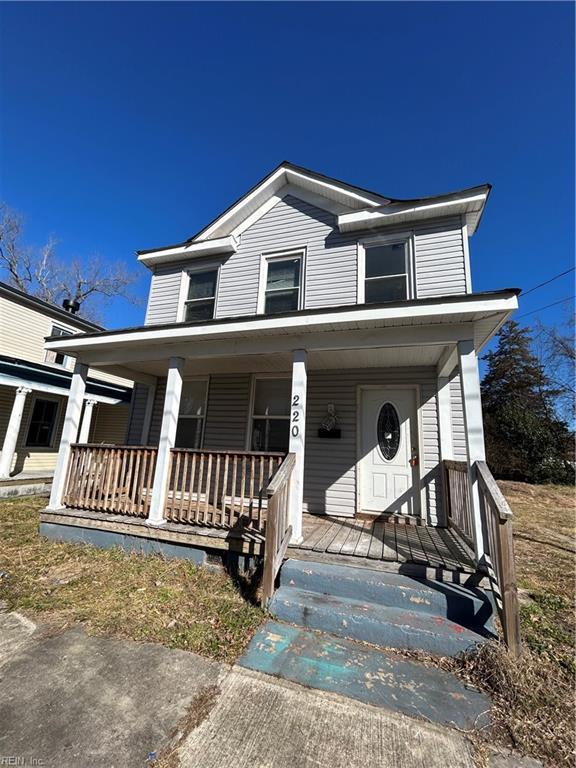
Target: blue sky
x,y
128,126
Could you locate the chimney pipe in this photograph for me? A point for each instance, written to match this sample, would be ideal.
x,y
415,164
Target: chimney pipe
x,y
71,305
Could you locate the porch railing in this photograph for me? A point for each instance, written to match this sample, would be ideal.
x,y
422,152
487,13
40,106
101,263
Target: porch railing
x,y
222,489
458,509
110,478
278,528
499,545
496,518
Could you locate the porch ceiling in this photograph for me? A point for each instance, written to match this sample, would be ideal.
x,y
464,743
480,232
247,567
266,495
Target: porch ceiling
x,y
408,333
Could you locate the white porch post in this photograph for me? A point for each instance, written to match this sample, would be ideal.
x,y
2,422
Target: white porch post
x,y
11,436
445,418
167,439
474,429
69,432
86,421
297,440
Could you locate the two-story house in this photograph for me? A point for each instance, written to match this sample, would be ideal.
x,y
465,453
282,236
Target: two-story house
x,y
34,386
313,351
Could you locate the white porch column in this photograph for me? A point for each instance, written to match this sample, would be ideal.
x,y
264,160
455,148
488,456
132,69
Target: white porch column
x,y
69,432
86,421
474,429
167,439
298,440
12,432
445,418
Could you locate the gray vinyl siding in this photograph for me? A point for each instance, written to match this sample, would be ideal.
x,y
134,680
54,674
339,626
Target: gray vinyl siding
x,y
137,414
156,420
457,414
330,469
227,412
331,268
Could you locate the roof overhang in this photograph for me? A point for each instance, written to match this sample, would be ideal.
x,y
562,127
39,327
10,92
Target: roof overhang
x,y
221,245
470,205
440,322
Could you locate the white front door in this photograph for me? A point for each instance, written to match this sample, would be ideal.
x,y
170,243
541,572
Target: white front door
x,y
388,442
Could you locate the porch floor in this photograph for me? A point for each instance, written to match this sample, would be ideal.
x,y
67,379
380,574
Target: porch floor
x,y
372,543
347,541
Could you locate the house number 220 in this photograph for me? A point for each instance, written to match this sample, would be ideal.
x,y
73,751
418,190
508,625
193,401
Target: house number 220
x,y
295,417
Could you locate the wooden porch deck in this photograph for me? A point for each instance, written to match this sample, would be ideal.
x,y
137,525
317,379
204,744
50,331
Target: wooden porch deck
x,y
372,543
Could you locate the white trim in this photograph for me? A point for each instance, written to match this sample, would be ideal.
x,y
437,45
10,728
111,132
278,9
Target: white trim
x,y
284,255
274,183
466,247
252,396
32,402
407,238
209,266
257,215
205,378
419,495
297,323
349,222
13,381
190,250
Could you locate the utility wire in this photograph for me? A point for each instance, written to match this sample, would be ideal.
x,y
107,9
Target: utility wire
x,y
541,309
551,280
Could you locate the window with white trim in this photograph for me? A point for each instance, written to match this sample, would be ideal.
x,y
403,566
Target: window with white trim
x,y
201,299
283,280
42,423
57,357
386,276
190,431
271,415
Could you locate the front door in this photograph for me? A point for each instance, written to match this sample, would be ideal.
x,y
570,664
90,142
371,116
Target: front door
x,y
388,442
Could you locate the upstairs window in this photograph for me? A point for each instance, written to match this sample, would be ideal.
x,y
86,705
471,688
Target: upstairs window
x,y
190,431
283,278
57,357
42,423
386,272
201,296
271,415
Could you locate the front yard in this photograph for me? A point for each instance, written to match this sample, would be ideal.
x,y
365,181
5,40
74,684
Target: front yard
x,y
113,593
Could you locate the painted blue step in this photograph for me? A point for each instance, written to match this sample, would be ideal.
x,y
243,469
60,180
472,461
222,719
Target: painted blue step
x,y
370,675
463,605
384,626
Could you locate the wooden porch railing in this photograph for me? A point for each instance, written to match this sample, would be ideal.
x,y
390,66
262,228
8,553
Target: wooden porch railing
x,y
219,488
278,528
499,546
496,517
458,509
110,478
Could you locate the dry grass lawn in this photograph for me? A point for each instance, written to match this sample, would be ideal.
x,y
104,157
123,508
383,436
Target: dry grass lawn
x,y
114,593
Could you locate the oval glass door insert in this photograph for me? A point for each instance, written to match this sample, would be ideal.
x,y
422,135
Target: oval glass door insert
x,y
388,431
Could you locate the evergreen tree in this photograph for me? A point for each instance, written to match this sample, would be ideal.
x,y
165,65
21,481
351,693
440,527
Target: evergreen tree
x,y
525,438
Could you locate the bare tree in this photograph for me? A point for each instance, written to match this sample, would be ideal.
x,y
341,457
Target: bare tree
x,y
91,282
557,353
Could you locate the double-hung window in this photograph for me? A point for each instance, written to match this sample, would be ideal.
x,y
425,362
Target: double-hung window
x,y
271,415
386,272
282,283
201,298
190,431
42,423
57,357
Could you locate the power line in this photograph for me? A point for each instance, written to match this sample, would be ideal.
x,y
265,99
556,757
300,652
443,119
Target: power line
x,y
551,280
541,309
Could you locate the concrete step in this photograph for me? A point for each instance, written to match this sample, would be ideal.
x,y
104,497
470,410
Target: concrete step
x,y
370,675
384,626
467,606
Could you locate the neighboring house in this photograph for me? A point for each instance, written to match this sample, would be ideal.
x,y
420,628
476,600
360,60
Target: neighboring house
x,y
34,386
312,318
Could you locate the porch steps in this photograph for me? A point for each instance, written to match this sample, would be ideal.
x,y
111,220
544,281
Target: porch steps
x,y
371,675
389,610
